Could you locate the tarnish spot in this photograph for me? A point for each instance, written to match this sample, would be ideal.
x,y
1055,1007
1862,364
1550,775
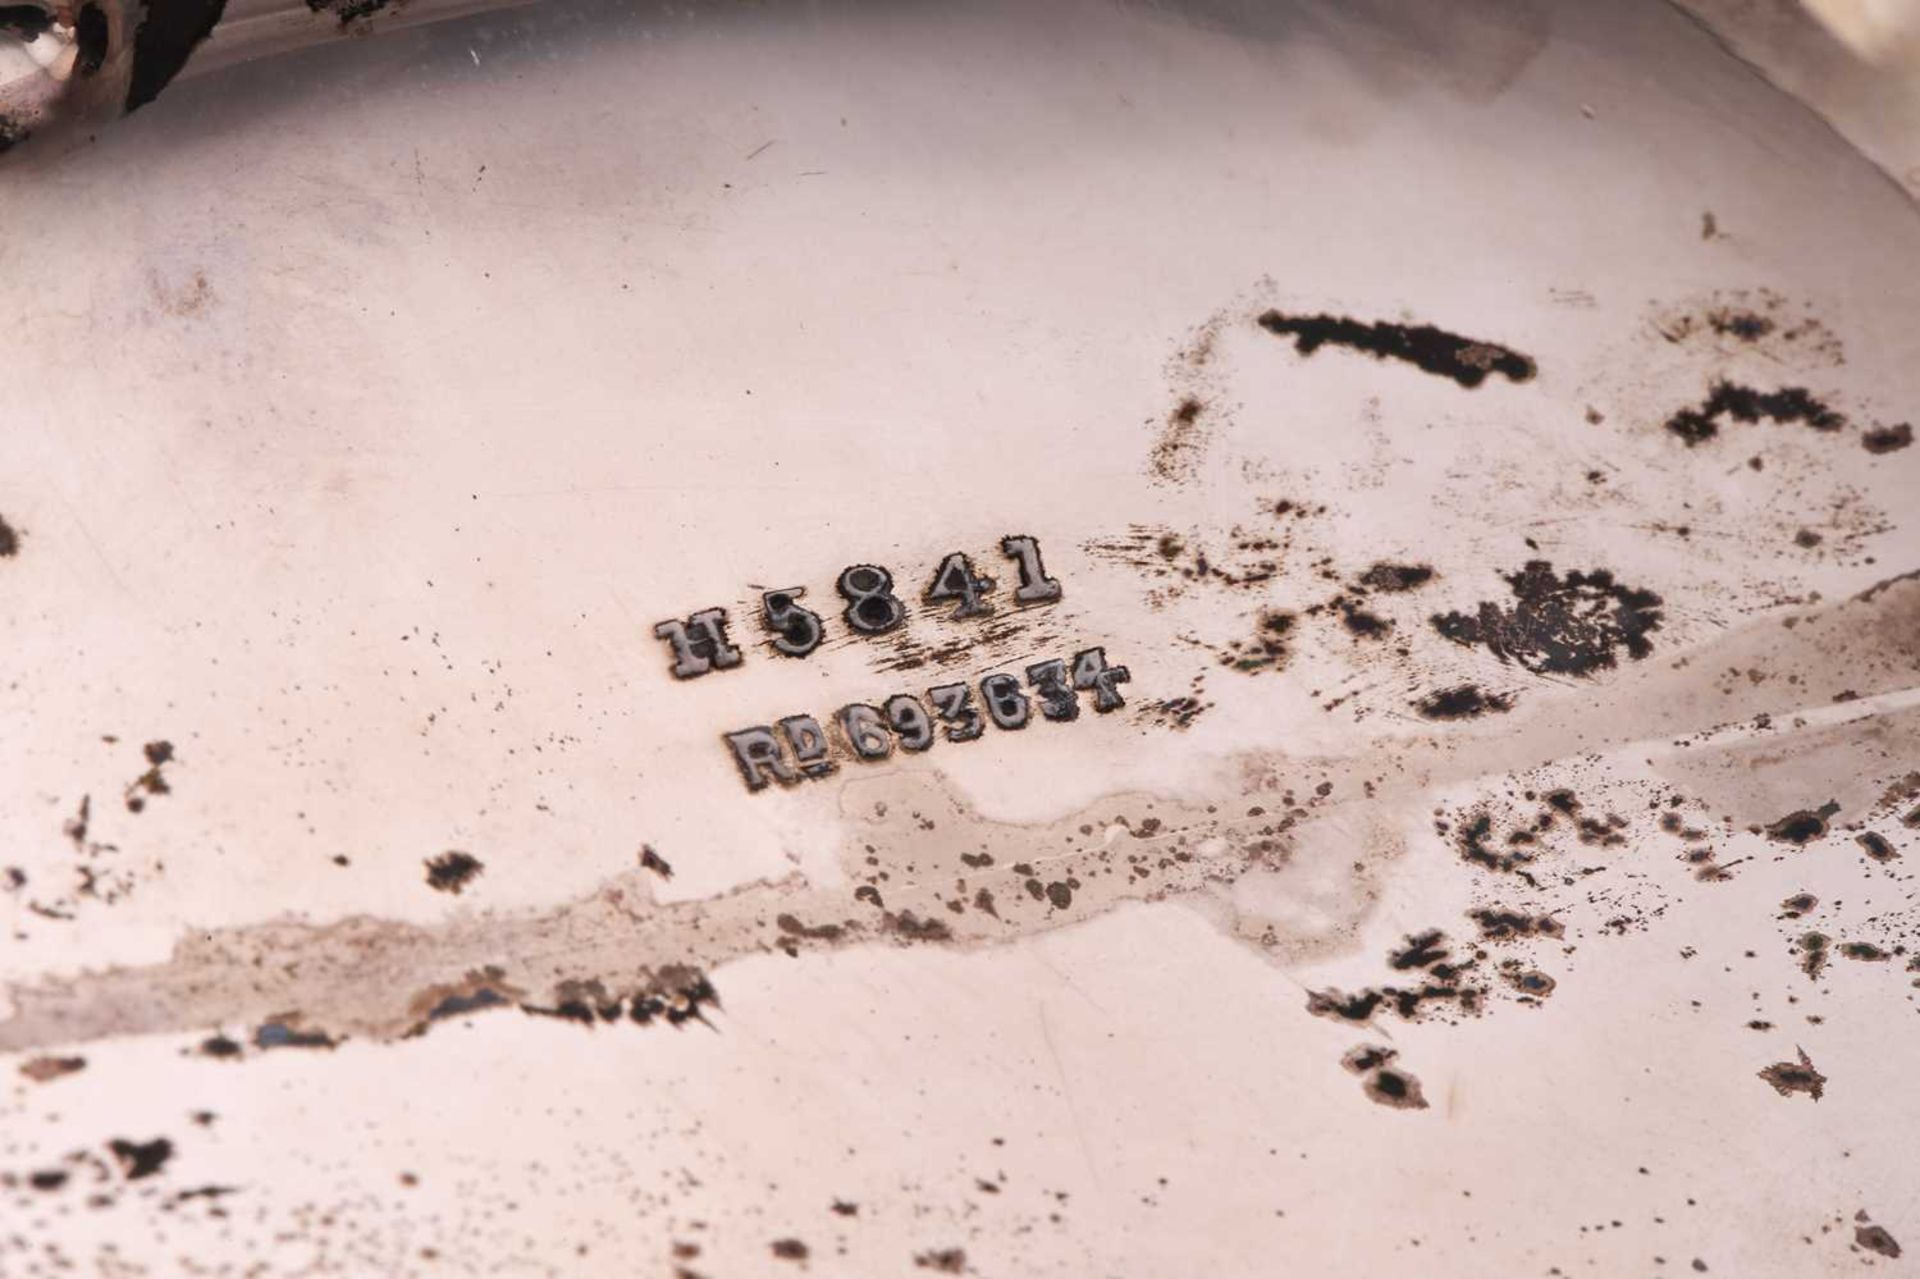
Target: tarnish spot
x,y
1430,349
1789,1077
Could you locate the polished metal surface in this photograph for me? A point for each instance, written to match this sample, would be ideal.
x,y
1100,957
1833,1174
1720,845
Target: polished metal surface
x,y
1094,639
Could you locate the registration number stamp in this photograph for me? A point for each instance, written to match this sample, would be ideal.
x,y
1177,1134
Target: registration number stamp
x,y
799,747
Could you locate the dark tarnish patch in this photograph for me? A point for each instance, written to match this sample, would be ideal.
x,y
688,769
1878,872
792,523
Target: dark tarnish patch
x,y
348,11
650,860
451,872
152,782
1804,826
1815,953
1396,1088
1466,701
9,536
946,1261
1787,405
1875,1238
286,1032
42,1069
1267,650
1879,439
1878,847
141,1158
1408,1002
1388,1085
1560,626
789,1249
1425,347
675,993
1499,924
1789,1078
1797,905
478,991
1392,579
1422,950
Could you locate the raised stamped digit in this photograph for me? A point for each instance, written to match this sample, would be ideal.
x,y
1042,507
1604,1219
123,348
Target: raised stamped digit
x,y
1035,586
872,607
1057,700
908,718
796,630
1090,671
1008,706
953,703
699,644
865,731
955,580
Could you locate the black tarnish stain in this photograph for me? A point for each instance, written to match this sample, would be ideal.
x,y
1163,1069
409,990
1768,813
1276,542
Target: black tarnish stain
x,y
451,872
1395,578
912,928
1568,625
1877,847
1421,950
1797,905
1060,895
455,1005
1814,954
1744,404
946,1261
1425,347
1788,1078
152,782
1804,826
792,927
1396,1088
281,1032
43,1069
1879,439
1498,924
141,1158
50,1179
1875,1238
219,1046
348,11
1464,701
650,860
789,1249
9,536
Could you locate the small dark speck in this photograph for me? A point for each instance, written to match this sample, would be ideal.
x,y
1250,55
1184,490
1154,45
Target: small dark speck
x,y
9,540
654,862
789,1250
